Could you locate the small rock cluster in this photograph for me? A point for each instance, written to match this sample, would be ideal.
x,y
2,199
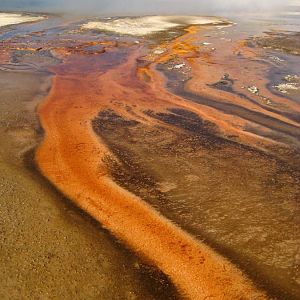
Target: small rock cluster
x,y
291,83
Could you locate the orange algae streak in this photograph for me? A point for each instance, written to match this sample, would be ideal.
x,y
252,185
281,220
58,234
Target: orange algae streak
x,y
71,158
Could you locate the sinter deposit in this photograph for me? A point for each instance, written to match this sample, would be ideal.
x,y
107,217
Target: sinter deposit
x,y
11,19
150,24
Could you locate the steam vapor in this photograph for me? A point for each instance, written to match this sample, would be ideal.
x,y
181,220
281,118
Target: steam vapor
x,y
143,7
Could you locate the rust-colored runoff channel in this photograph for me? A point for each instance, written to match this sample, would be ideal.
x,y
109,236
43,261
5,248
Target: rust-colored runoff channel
x,y
71,156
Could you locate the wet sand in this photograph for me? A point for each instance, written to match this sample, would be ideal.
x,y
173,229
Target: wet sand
x,y
138,137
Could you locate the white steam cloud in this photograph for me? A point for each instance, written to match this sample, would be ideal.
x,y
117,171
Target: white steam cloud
x,y
138,7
